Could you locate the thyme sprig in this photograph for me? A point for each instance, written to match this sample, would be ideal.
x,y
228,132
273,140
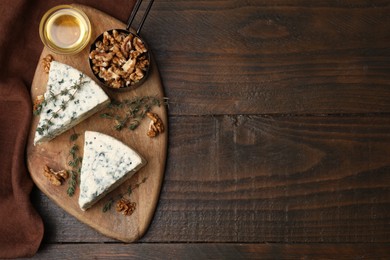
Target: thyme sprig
x,y
130,189
53,97
108,205
75,164
130,112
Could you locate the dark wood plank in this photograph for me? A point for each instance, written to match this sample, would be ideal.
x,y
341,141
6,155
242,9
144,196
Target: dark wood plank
x,y
265,179
276,179
60,226
214,251
261,57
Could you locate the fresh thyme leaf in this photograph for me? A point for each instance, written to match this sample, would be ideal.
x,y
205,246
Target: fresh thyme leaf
x,y
64,92
133,126
40,130
77,161
74,149
63,105
74,137
52,95
70,191
118,127
108,205
38,110
106,115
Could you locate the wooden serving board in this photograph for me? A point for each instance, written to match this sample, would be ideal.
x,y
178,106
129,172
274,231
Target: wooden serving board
x,y
55,153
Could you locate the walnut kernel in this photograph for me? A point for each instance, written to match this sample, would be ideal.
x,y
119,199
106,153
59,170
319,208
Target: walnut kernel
x,y
125,206
55,177
156,125
46,63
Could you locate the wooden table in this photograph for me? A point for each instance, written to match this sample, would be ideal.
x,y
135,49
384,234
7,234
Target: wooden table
x,y
279,141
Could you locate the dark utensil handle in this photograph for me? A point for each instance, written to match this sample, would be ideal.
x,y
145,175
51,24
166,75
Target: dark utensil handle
x,y
134,12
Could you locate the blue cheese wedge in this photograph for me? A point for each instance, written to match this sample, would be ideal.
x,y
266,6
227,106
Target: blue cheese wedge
x,y
107,163
70,97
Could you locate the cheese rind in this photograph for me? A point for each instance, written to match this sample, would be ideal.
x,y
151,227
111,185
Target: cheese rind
x,y
69,107
107,163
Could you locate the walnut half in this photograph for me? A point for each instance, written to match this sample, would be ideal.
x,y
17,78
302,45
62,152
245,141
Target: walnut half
x,y
55,177
156,125
46,63
125,206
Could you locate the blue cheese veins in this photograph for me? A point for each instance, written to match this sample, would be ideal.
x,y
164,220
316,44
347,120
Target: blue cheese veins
x,y
107,163
65,106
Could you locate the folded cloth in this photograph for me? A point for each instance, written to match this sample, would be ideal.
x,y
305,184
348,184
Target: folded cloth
x,y
21,228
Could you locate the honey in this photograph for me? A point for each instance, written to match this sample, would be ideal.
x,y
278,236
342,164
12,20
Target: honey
x,y
65,30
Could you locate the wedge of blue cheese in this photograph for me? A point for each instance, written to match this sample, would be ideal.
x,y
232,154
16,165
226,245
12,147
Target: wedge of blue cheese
x,y
107,163
70,97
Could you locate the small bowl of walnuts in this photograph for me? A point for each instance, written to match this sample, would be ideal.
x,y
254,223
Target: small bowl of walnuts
x,y
120,59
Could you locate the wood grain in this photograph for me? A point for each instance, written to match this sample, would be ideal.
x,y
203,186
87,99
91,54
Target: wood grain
x,y
262,57
279,134
55,153
215,251
266,179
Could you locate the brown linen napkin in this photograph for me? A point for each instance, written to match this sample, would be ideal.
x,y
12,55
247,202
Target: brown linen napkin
x,y
21,228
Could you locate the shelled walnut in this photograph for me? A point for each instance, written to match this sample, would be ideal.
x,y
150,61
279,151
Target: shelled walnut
x,y
119,59
46,62
55,177
156,125
125,206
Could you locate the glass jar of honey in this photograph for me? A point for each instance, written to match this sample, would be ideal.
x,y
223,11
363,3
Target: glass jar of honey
x,y
65,29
